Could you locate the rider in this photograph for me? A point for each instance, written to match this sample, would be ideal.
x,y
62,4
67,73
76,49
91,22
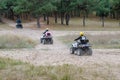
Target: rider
x,y
44,33
19,23
46,30
82,39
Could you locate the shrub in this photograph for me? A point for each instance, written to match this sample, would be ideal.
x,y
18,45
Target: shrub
x,y
10,41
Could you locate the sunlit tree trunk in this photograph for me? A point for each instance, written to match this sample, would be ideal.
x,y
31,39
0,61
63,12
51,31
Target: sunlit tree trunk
x,y
0,18
102,19
62,17
84,17
38,22
55,17
67,18
44,17
119,22
47,19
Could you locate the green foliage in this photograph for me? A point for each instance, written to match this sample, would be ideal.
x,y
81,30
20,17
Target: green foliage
x,y
7,4
115,6
38,7
48,7
103,8
22,6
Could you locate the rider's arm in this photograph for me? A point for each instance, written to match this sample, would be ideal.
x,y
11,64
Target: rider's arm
x,y
77,38
45,31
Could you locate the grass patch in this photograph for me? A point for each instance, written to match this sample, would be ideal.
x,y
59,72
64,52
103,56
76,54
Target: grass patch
x,y
16,70
97,41
4,63
11,41
4,26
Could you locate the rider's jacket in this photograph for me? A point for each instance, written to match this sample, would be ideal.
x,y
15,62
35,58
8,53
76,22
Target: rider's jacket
x,y
81,39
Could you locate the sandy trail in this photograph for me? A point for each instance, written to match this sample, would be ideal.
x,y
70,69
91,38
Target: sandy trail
x,y
58,53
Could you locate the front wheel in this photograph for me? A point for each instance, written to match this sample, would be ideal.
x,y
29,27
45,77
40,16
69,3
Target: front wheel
x,y
41,40
80,52
72,50
44,41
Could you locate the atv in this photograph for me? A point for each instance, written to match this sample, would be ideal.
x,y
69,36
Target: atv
x,y
19,25
46,38
81,49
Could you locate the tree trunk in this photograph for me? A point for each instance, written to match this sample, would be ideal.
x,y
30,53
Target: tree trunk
x,y
117,15
12,14
38,22
119,18
26,16
0,19
44,17
62,17
55,17
67,18
84,20
113,15
102,18
119,23
78,13
47,19
87,13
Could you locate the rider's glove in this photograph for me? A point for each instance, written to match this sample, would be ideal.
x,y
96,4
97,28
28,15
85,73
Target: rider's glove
x,y
74,39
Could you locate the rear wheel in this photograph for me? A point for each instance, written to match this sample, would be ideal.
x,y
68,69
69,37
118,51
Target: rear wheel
x,y
51,41
89,52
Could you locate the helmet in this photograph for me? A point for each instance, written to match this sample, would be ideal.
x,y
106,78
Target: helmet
x,y
81,33
47,29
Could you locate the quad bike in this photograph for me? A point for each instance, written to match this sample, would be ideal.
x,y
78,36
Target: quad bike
x,y
80,49
46,38
19,25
